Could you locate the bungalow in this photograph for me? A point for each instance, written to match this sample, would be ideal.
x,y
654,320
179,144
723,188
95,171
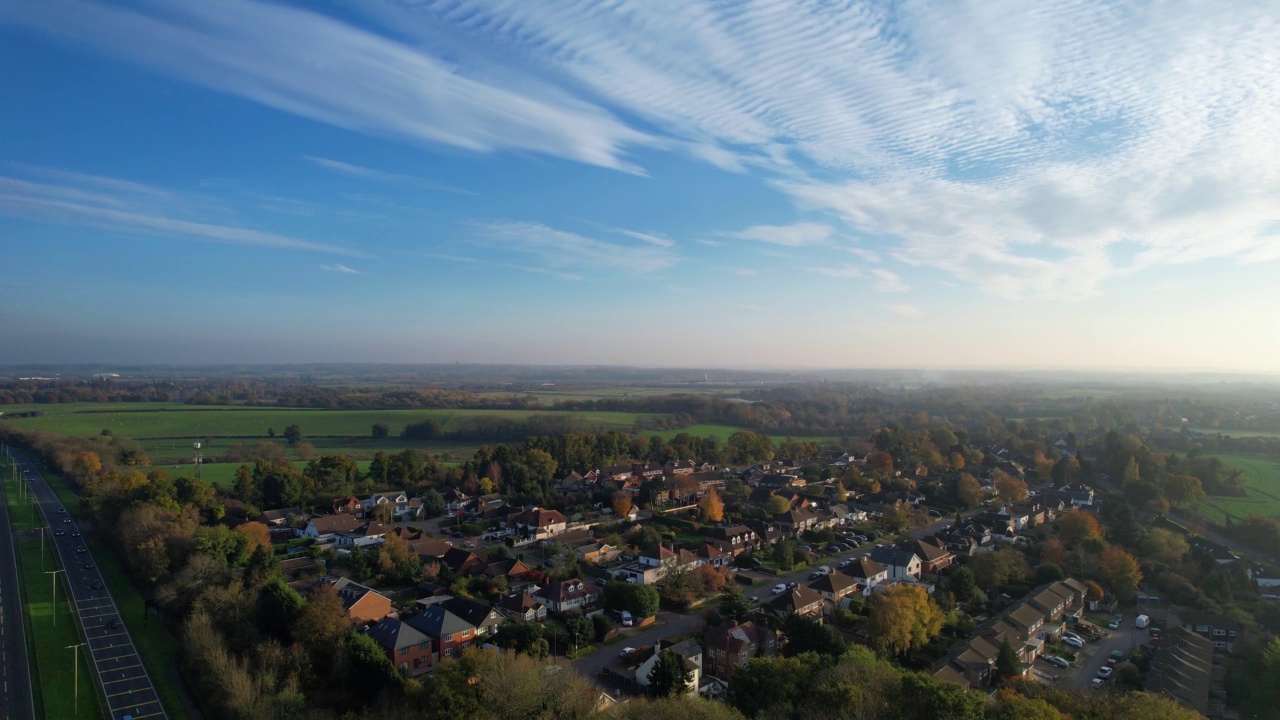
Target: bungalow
x,y
900,563
566,595
835,586
515,571
537,523
461,561
522,605
596,552
730,646
279,517
430,549
326,528
409,649
711,554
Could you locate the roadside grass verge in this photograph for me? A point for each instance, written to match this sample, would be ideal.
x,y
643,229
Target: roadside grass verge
x,y
158,648
53,674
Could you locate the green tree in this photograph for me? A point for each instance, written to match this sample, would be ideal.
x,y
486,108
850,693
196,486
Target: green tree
x,y
380,431
522,636
1047,573
279,607
293,434
1008,666
962,584
777,505
1120,570
579,629
669,676
733,604
749,448
805,635
369,668
245,489
931,698
784,554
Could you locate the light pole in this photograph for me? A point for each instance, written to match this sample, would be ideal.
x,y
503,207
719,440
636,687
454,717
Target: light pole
x,y
41,547
53,582
75,673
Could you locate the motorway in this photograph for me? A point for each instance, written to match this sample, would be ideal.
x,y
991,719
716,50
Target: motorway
x,y
15,701
112,654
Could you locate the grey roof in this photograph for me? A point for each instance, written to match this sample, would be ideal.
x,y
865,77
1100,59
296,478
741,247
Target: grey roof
x,y
864,568
393,635
437,621
889,555
476,613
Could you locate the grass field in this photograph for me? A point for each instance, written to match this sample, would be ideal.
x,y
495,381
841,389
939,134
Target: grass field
x,y
1234,433
143,421
724,431
1262,481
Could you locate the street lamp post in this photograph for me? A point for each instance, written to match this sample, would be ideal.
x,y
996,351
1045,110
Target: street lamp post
x,y
75,673
53,582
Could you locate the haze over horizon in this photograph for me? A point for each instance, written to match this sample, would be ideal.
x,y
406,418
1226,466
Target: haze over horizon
x,y
986,184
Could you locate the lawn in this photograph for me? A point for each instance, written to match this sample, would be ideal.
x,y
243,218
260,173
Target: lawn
x,y
1262,483
144,421
158,648
52,672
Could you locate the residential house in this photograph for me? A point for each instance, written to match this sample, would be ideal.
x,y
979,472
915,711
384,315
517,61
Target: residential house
x,y
794,522
409,649
565,595
596,552
868,573
1182,668
278,518
899,562
740,537
934,555
1218,629
730,646
298,567
461,561
709,553
397,500
370,533
349,505
455,501
482,616
363,605
430,549
522,605
451,634
779,481
1050,603
516,573
689,650
802,601
537,523
326,528
835,586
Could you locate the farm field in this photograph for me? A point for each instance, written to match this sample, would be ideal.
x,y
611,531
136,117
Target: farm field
x,y
143,421
724,431
1234,433
1262,480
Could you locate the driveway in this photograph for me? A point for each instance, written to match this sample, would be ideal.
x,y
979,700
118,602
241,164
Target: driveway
x,y
667,626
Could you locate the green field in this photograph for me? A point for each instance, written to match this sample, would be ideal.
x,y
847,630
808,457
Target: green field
x,y
1234,433
1262,481
724,431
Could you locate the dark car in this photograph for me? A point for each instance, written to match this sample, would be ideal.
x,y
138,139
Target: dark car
x,y
97,585
79,549
62,511
75,534
88,566
113,624
60,533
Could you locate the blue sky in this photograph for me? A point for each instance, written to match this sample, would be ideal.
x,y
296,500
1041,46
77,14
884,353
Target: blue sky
x,y
970,184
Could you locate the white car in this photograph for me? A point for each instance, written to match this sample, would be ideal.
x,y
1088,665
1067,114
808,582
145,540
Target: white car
x,y
627,651
1058,660
1073,636
1114,624
824,570
1096,682
1104,672
1073,642
779,589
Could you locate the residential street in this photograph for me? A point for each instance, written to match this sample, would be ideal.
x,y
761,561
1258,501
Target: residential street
x,y
668,625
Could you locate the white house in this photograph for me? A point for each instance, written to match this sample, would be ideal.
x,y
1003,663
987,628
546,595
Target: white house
x,y
397,499
690,650
900,563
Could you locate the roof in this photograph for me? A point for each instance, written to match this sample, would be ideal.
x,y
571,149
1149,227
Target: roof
x,y
796,600
1025,615
280,514
889,555
329,524
519,602
391,495
430,547
659,552
686,649
565,590
476,613
538,517
865,568
834,582
351,592
734,638
438,621
929,551
393,635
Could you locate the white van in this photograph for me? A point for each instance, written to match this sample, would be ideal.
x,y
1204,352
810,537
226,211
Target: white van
x,y
627,620
1141,621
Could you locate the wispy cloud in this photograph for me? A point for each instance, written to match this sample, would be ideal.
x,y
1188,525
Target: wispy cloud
x,y
340,268
561,251
368,173
743,272
888,281
789,235
868,255
130,207
651,238
909,311
321,68
837,271
471,260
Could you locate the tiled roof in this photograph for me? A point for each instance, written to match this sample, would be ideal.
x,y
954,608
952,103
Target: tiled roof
x,y
393,635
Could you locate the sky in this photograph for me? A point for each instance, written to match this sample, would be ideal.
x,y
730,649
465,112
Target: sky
x,y
968,184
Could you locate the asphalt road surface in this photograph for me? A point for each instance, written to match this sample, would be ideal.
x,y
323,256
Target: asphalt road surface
x,y
668,625
15,700
112,655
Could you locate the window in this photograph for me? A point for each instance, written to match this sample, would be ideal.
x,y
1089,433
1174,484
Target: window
x,y
466,633
404,651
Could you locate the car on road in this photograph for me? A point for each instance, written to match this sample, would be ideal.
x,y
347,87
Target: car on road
x,y
1097,682
779,589
60,533
1114,624
80,549
791,586
1105,671
66,521
97,585
824,570
1058,660
753,599
62,511
1073,642
88,566
75,534
626,651
844,564
815,575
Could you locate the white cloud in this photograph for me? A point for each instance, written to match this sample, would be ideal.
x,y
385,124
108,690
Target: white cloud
x,y
865,254
649,237
558,250
837,271
888,281
804,233
361,171
132,208
909,311
340,268
743,272
333,72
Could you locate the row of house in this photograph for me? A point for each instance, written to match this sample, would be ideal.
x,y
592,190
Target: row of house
x,y
1025,626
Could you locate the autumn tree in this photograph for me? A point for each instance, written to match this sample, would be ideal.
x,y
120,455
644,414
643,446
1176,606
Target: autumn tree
x,y
777,505
1182,490
1054,552
993,569
903,617
968,490
1076,526
1093,591
1120,570
880,462
85,464
711,506
323,622
1010,489
622,503
957,461
1166,546
256,534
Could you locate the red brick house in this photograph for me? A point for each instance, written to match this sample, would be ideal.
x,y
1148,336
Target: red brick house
x,y
730,646
409,649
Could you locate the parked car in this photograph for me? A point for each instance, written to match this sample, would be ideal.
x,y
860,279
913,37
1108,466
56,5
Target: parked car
x,y
601,582
1096,682
1058,660
791,586
1072,635
1114,624
626,651
627,619
753,599
779,589
1073,642
844,564
1105,671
